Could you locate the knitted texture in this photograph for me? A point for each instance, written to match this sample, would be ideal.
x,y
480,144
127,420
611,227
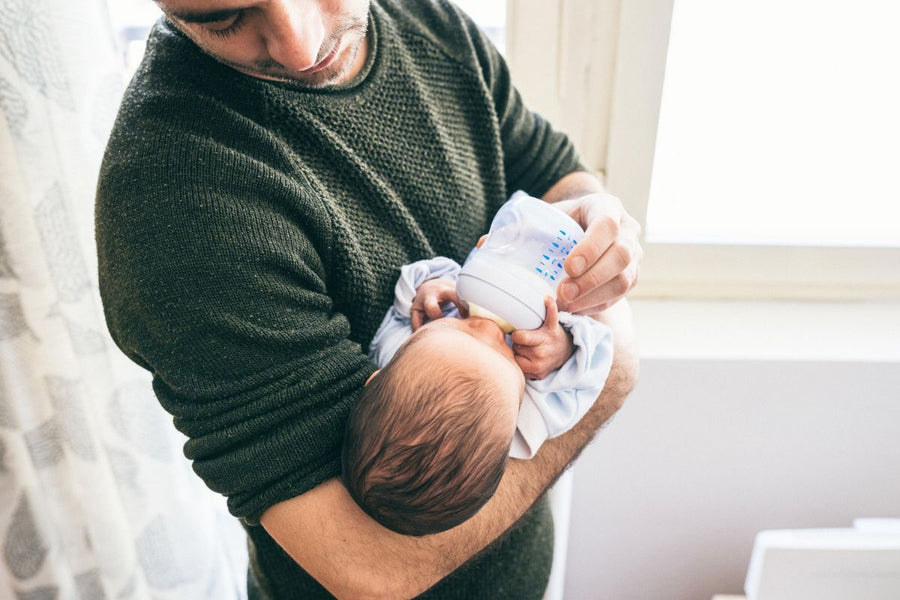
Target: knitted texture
x,y
249,235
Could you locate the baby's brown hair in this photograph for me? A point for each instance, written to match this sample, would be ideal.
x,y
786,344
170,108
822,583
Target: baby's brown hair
x,y
423,449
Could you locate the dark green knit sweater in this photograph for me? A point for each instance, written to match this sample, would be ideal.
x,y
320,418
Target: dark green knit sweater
x,y
250,234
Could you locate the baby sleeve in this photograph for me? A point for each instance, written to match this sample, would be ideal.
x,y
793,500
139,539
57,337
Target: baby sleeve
x,y
395,328
553,405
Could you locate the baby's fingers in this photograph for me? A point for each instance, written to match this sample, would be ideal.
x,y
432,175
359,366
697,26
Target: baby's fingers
x,y
527,365
532,368
432,306
528,337
425,306
551,319
448,295
416,317
536,337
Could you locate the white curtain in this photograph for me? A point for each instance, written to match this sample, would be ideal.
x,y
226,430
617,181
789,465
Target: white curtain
x,y
96,498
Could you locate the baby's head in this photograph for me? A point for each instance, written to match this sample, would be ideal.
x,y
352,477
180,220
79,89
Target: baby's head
x,y
427,442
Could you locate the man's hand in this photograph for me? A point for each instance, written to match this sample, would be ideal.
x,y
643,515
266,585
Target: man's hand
x,y
604,266
426,305
328,535
541,351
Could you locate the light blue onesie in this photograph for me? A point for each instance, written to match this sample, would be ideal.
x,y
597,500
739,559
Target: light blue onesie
x,y
551,406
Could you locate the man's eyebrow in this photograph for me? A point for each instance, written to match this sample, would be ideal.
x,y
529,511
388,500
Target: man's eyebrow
x,y
213,16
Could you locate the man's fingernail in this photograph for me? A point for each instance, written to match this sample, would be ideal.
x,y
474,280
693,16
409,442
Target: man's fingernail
x,y
578,264
568,291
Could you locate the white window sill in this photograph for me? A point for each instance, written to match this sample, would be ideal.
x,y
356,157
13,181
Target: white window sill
x,y
768,330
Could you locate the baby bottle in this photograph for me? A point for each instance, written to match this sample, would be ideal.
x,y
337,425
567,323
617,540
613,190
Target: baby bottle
x,y
519,263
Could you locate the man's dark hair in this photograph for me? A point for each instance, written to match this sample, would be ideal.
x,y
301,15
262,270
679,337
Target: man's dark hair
x,y
425,446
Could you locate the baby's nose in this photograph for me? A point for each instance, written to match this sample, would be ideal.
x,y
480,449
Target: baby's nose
x,y
485,326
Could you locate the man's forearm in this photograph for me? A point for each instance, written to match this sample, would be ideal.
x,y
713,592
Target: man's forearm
x,y
619,383
525,481
354,557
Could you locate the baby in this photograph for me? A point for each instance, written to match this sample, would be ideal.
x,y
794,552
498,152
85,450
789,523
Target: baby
x,y
428,441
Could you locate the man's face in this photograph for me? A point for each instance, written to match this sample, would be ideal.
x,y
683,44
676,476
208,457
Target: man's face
x,y
313,42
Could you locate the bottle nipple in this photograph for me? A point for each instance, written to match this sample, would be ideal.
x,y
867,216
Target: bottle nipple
x,y
477,311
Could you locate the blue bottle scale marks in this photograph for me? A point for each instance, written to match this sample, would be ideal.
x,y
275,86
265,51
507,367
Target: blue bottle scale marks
x,y
550,265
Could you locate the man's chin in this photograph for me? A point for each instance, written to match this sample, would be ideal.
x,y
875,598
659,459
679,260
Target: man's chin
x,y
331,75
320,79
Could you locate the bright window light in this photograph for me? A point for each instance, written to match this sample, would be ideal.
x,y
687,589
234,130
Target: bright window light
x,y
131,21
780,124
490,16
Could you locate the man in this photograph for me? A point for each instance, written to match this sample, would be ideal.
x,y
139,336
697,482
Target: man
x,y
273,164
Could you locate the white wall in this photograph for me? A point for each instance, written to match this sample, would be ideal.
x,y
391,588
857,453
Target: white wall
x,y
707,452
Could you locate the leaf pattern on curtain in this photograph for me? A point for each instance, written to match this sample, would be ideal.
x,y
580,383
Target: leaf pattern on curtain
x,y
29,43
96,499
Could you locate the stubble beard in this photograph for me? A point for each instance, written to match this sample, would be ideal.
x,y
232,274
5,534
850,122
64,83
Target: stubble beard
x,y
333,74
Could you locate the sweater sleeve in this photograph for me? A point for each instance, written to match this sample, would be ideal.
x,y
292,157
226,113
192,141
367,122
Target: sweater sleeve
x,y
212,278
535,155
396,326
415,274
553,405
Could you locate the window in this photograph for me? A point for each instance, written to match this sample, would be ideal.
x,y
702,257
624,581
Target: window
x,y
490,16
562,54
757,142
769,110
131,22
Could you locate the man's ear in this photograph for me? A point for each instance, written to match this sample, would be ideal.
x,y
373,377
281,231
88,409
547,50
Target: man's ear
x,y
371,376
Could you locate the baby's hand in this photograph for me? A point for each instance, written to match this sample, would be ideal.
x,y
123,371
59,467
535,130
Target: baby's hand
x,y
426,305
541,351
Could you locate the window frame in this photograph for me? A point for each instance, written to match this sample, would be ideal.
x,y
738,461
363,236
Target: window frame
x,y
607,60
572,45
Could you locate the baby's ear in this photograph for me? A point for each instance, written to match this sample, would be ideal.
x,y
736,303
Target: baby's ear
x,y
377,371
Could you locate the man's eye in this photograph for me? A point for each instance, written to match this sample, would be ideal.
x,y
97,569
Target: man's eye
x,y
226,27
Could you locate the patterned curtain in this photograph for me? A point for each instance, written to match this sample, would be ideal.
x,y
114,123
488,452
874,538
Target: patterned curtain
x,y
96,499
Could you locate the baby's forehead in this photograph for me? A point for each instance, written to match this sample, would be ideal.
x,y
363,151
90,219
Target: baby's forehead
x,y
458,324
442,333
446,343
449,350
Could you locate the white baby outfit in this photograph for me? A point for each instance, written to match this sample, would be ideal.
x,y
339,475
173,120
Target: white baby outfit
x,y
550,406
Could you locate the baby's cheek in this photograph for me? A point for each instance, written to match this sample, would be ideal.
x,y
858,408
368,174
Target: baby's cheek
x,y
514,417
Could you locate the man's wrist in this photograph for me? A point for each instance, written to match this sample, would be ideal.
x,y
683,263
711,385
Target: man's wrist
x,y
575,185
313,528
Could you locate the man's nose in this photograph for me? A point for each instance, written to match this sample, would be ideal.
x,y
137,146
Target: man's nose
x,y
295,34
